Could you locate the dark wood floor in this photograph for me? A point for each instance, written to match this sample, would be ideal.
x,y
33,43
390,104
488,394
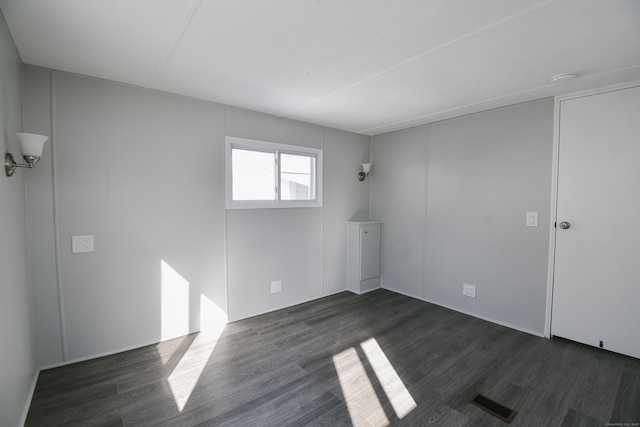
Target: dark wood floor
x,y
374,359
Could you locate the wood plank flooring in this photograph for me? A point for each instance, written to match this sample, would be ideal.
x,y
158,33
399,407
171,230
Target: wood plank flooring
x,y
374,359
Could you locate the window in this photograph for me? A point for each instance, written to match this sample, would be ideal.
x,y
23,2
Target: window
x,y
268,175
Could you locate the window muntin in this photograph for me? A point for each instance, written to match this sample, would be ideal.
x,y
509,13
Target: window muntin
x,y
263,174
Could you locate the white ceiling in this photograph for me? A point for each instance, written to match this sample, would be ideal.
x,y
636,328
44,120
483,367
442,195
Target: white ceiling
x,y
366,66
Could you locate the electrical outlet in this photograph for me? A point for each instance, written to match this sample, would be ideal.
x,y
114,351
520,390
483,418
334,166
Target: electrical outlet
x,y
469,290
81,244
276,286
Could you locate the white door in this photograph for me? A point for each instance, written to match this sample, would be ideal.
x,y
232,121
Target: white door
x,y
596,291
370,251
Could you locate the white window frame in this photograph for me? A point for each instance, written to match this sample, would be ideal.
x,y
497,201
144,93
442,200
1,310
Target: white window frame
x,y
256,145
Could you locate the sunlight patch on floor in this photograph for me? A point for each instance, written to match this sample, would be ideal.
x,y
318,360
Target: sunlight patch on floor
x,y
187,373
166,349
365,407
175,321
394,388
359,395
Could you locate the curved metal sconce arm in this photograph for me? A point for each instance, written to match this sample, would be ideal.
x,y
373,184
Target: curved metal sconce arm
x,y
31,146
10,164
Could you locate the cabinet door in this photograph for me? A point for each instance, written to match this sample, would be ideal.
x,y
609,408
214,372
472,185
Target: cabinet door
x,y
369,251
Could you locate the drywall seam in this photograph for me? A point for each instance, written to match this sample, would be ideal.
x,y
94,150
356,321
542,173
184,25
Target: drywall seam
x,y
187,17
225,219
421,55
322,214
56,216
426,212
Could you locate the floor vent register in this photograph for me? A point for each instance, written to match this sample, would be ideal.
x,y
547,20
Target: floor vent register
x,y
494,408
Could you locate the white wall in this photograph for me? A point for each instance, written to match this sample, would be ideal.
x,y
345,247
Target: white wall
x,y
453,196
398,198
44,278
17,362
143,172
345,198
265,245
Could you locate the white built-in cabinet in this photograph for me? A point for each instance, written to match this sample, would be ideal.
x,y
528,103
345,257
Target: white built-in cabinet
x,y
364,247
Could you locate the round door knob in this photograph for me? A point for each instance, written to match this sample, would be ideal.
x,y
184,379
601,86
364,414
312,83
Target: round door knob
x,y
564,225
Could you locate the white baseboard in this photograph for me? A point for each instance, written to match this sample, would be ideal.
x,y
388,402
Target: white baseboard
x,y
108,353
133,347
468,313
406,294
335,292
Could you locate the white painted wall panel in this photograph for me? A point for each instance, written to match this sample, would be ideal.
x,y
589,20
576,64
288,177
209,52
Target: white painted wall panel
x,y
266,245
17,356
345,199
264,127
485,171
309,234
143,172
399,182
42,245
480,174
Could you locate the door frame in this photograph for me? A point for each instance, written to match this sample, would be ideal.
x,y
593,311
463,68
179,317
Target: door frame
x,y
554,186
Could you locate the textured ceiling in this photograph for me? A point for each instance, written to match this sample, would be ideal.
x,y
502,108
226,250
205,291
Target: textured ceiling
x,y
366,66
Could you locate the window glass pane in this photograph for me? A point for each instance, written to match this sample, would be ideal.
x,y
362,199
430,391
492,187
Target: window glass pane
x,y
297,177
253,175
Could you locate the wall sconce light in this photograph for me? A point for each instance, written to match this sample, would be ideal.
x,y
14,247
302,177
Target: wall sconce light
x,y
366,170
31,146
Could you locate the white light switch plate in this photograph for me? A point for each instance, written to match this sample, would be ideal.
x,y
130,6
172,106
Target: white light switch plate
x,y
81,244
276,286
532,219
469,290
